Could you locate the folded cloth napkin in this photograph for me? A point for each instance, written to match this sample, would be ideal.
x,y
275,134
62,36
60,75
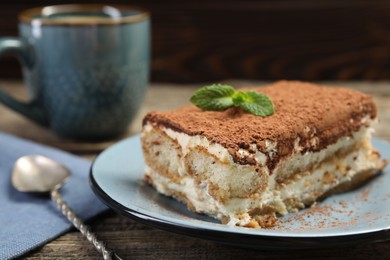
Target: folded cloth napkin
x,y
27,220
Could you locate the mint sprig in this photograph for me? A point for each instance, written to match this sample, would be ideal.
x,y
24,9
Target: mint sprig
x,y
218,97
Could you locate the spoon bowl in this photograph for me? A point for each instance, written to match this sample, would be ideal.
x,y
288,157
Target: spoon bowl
x,y
36,173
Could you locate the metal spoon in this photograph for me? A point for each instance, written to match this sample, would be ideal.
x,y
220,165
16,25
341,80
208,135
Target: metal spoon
x,y
36,173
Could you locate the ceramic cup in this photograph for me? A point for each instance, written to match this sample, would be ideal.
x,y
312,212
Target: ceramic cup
x,y
86,67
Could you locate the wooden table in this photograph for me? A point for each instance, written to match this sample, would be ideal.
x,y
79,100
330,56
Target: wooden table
x,y
132,240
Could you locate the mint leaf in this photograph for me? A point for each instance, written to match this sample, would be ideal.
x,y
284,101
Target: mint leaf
x,y
221,97
213,97
258,104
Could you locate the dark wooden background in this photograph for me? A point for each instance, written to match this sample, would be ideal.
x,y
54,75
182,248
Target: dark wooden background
x,y
198,41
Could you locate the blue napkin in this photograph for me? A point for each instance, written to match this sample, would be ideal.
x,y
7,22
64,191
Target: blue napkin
x,y
28,221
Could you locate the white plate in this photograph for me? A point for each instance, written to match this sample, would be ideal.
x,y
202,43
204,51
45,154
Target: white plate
x,y
361,215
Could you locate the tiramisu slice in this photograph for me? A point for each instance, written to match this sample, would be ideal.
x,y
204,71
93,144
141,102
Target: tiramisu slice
x,y
246,170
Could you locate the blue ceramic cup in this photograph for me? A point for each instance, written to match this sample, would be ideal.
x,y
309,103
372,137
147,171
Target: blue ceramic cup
x,y
86,67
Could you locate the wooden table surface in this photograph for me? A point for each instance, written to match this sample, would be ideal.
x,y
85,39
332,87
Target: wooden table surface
x,y
132,240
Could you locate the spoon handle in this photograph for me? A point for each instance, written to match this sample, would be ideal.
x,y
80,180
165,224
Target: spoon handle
x,y
84,229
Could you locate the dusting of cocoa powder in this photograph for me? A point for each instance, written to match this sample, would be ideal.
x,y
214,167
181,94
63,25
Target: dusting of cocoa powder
x,y
302,110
